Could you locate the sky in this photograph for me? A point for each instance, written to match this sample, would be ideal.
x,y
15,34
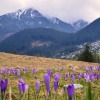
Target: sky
x,y
66,10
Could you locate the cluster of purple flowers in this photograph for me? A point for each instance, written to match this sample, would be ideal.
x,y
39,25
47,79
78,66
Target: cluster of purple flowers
x,y
22,86
89,75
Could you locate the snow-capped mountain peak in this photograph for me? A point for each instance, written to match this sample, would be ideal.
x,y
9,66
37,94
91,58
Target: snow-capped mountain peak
x,y
31,18
78,25
54,20
30,12
17,14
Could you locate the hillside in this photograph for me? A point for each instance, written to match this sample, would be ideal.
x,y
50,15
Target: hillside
x,y
90,33
49,42
39,41
20,61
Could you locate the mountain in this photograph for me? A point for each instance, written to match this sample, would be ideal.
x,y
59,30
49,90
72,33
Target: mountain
x,y
39,41
90,33
94,47
39,35
30,18
49,42
80,24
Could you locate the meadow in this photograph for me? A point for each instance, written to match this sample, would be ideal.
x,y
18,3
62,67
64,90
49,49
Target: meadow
x,y
37,78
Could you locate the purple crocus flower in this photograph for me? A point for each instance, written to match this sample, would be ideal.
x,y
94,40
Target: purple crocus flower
x,y
91,68
34,70
74,73
22,86
97,76
65,77
55,85
92,77
57,77
47,82
86,69
37,86
49,72
87,77
25,88
18,74
3,85
73,79
69,74
98,68
6,71
79,76
70,91
73,68
21,81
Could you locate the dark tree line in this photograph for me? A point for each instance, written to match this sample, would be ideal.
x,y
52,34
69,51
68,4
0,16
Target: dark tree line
x,y
89,56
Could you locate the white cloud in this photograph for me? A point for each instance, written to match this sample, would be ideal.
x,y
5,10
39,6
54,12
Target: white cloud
x,y
67,10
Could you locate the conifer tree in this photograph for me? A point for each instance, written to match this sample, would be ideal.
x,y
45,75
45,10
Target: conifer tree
x,y
86,55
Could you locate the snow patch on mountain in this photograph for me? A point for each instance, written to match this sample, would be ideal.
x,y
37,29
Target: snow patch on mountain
x,y
31,11
17,14
40,44
94,46
40,22
56,21
78,25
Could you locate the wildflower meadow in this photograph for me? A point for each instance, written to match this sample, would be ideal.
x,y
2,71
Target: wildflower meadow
x,y
50,84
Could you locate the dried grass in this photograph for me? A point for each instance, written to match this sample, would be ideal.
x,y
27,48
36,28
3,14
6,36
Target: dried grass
x,y
20,61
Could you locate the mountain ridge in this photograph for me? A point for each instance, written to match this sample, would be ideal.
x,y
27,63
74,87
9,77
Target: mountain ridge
x,y
22,42
30,18
49,42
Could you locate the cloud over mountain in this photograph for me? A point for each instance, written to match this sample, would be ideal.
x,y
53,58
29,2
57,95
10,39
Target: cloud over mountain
x,y
67,10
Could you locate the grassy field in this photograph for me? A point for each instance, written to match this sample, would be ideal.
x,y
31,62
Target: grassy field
x,y
25,64
20,61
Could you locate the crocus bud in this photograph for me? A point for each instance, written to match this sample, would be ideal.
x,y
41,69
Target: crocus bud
x,y
47,82
37,86
70,91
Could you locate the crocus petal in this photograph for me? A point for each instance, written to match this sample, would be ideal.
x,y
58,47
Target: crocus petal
x,y
55,85
26,88
49,72
37,86
21,81
57,77
20,87
47,82
3,85
70,91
